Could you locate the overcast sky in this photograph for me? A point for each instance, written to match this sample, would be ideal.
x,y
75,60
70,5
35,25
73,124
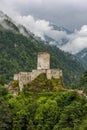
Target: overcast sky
x,y
69,13
36,15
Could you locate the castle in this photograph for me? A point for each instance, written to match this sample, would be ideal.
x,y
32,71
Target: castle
x,y
43,66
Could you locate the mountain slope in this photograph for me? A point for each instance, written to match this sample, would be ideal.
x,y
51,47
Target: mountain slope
x,y
19,48
59,42
8,24
60,28
18,53
82,56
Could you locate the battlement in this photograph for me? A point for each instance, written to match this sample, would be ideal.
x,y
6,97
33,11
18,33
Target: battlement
x,y
43,66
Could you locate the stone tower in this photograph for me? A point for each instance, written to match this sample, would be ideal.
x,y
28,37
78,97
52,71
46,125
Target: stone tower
x,y
43,61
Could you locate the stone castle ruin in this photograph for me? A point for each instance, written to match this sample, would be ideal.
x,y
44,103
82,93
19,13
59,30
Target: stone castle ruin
x,y
43,66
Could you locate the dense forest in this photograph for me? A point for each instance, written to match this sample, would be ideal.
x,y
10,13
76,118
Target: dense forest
x,y
42,111
81,84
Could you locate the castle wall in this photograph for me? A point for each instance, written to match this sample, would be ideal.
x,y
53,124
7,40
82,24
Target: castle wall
x,y
49,74
56,73
24,78
36,73
43,61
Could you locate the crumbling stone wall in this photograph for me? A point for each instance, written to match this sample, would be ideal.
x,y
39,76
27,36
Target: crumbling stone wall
x,y
24,78
54,73
36,73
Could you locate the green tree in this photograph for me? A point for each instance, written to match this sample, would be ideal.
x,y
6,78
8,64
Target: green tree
x,y
5,115
83,125
71,116
47,115
2,80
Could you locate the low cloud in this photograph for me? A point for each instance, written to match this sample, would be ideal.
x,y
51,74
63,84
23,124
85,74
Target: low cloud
x,y
77,41
37,26
70,13
40,27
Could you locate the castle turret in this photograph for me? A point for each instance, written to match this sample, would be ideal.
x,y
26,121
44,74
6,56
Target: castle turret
x,y
43,61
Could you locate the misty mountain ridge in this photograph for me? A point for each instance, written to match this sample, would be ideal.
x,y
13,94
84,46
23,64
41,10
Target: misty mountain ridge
x,y
60,42
18,54
80,55
61,28
7,23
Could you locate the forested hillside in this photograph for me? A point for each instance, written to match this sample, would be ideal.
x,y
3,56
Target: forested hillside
x,y
43,111
18,53
81,84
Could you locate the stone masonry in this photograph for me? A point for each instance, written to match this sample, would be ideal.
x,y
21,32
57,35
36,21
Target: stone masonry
x,y
43,61
43,66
